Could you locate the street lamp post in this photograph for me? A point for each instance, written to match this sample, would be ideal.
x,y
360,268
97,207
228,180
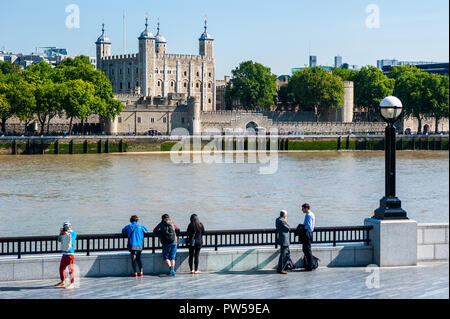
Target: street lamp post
x,y
390,205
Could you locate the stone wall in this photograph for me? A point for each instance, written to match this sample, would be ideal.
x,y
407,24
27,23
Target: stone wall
x,y
432,242
224,260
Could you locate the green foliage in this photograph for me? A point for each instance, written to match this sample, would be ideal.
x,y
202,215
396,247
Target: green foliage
x,y
345,74
253,85
422,94
371,86
167,146
312,145
285,96
74,89
316,89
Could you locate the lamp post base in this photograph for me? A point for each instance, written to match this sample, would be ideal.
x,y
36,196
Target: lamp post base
x,y
390,208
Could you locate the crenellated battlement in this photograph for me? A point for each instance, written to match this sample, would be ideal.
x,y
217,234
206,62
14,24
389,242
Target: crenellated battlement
x,y
184,57
120,57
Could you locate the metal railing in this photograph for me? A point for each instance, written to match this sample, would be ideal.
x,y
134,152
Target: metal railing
x,y
41,245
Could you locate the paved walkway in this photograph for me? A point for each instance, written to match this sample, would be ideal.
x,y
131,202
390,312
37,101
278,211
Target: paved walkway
x,y
429,280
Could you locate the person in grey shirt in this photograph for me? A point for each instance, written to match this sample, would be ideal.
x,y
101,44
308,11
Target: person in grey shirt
x,y
283,228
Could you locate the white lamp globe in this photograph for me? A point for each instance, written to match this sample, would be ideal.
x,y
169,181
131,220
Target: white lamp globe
x,y
391,108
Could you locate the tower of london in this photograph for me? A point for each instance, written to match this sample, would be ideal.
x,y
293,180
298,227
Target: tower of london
x,y
153,73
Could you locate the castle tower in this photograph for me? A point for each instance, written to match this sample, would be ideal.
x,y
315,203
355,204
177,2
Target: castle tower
x,y
103,47
146,60
206,42
347,110
161,43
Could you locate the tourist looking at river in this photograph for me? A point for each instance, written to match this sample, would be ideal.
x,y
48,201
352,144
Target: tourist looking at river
x,y
195,233
67,239
135,233
167,231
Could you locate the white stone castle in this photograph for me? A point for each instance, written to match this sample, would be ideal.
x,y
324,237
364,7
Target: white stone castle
x,y
152,72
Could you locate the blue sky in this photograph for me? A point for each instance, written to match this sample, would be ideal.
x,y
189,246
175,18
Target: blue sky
x,y
278,34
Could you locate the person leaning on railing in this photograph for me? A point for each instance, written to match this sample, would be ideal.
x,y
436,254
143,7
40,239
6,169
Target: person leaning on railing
x,y
195,233
135,234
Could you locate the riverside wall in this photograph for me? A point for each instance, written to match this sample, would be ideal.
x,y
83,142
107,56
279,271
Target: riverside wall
x,y
120,144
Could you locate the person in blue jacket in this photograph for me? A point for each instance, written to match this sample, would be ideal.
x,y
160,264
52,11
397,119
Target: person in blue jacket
x,y
135,233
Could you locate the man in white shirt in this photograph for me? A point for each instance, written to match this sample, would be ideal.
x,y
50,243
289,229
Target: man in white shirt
x,y
309,227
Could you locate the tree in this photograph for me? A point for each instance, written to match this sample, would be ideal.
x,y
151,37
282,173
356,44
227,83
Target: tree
x,y
253,84
436,97
79,100
285,96
5,107
409,88
345,74
8,68
316,89
80,68
21,98
371,87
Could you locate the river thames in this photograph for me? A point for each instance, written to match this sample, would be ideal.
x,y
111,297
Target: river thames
x,y
98,193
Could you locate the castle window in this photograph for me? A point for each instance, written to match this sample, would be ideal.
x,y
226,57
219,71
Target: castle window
x,y
156,70
137,70
121,85
171,84
159,83
209,101
198,74
164,120
185,73
137,83
120,71
197,85
185,84
119,120
182,120
139,120
152,120
209,74
128,70
209,85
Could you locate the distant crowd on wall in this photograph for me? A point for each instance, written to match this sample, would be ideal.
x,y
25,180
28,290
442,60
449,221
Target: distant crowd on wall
x,y
168,233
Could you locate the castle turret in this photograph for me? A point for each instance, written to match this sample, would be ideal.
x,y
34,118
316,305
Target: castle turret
x,y
103,48
206,42
146,60
161,43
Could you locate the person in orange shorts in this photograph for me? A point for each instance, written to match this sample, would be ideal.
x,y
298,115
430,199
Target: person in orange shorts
x,y
67,239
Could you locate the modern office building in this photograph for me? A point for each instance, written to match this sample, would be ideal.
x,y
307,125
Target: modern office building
x,y
437,68
337,61
312,61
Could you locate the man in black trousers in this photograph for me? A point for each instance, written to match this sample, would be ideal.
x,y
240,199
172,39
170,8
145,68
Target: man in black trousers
x,y
283,240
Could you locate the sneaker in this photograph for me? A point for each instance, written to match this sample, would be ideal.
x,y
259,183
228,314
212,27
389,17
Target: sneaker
x,y
283,272
135,274
71,286
141,274
61,284
198,272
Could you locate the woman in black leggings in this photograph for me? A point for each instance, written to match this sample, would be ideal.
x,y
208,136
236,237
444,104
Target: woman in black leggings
x,y
195,233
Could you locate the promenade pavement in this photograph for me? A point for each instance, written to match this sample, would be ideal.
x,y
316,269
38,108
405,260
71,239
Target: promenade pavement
x,y
427,280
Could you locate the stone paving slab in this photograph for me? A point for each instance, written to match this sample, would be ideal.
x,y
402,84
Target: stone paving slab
x,y
427,280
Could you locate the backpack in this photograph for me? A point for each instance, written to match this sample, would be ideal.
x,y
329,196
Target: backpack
x,y
66,242
314,263
167,233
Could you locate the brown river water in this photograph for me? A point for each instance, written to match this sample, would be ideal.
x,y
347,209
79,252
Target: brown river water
x,y
98,193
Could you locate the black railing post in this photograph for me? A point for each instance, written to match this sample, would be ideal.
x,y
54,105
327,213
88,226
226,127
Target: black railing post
x,y
19,250
334,238
88,248
153,244
215,242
